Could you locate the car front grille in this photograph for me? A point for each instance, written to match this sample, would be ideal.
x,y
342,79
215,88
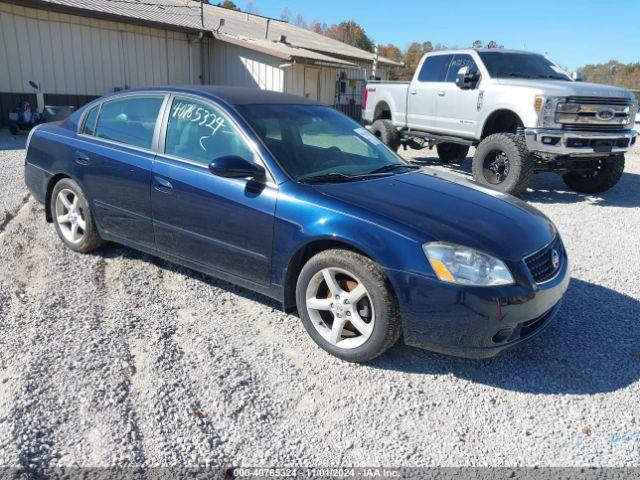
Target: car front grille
x,y
541,265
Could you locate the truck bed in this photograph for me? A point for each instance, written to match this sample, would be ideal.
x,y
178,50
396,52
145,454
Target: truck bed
x,y
394,94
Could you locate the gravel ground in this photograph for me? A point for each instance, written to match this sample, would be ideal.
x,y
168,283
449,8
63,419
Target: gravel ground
x,y
118,358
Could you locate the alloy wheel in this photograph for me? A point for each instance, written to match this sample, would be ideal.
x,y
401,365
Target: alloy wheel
x,y
70,216
496,167
340,308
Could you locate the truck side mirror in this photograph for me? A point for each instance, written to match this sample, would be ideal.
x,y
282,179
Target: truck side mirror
x,y
466,80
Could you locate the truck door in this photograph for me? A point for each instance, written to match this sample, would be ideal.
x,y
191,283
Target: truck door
x,y
458,109
422,105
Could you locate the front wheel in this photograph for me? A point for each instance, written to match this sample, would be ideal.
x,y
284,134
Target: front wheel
x,y
502,162
604,175
347,305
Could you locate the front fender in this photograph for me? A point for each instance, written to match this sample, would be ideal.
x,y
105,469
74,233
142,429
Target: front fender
x,y
304,216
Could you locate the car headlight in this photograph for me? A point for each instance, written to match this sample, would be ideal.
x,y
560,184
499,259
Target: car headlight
x,y
546,107
466,266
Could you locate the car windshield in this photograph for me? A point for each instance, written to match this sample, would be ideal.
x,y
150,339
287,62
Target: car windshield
x,y
316,143
521,65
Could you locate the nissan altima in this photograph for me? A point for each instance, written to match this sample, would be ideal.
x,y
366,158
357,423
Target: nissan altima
x,y
289,198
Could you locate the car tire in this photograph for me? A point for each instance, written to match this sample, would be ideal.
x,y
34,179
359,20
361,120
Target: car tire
x,y
72,217
502,162
387,133
452,152
602,178
360,293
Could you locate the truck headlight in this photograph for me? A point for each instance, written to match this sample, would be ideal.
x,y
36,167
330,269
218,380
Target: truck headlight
x,y
546,107
466,266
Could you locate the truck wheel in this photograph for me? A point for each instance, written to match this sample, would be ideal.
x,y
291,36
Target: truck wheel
x,y
385,131
604,176
452,152
502,162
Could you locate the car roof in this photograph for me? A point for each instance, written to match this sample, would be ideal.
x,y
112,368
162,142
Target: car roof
x,y
233,96
480,50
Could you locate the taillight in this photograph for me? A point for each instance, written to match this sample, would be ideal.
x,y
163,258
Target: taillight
x,y
364,99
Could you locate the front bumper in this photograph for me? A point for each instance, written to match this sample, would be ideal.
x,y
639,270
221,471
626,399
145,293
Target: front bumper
x,y
589,144
475,322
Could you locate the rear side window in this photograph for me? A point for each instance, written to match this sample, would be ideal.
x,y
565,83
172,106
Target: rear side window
x,y
130,120
458,62
200,132
434,69
89,127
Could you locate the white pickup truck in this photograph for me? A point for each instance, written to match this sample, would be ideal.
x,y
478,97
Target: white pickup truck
x,y
520,110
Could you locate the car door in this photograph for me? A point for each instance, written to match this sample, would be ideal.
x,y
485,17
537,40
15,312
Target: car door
x,y
221,224
422,113
113,160
458,108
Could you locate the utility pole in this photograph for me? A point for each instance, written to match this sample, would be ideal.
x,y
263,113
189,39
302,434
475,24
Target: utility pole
x,y
202,42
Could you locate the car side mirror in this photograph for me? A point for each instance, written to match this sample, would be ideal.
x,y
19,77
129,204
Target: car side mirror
x,y
233,166
466,80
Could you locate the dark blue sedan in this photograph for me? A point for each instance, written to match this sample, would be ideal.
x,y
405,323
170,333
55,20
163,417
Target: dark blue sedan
x,y
292,199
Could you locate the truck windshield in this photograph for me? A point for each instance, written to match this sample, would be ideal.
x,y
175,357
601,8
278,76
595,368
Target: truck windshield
x,y
314,143
521,65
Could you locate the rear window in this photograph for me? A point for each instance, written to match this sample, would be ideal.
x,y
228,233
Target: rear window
x,y
434,69
89,127
130,120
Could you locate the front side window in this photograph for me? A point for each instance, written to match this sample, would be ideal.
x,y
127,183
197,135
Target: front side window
x,y
458,62
521,65
89,127
130,120
200,132
434,68
313,140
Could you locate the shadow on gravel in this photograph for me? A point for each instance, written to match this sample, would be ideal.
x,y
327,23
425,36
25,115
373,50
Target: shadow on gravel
x,y
593,346
113,250
549,187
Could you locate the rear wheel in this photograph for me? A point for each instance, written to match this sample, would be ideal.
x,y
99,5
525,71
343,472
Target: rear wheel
x,y
347,305
502,162
604,175
72,217
452,152
387,133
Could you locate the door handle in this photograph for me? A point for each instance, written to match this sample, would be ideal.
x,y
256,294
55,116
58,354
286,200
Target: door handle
x,y
413,92
441,93
82,158
162,185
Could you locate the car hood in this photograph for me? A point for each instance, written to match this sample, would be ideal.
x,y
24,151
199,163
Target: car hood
x,y
565,89
438,206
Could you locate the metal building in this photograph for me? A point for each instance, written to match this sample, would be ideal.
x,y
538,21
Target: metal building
x,y
77,50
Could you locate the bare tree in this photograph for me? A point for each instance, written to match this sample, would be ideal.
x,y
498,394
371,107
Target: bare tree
x,y
285,15
478,44
300,21
251,8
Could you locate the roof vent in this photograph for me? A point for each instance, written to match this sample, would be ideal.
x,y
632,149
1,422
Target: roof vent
x,y
283,39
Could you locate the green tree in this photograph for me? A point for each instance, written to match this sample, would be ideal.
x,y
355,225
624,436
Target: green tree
x,y
352,34
229,4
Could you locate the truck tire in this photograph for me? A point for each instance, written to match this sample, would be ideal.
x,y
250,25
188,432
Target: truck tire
x,y
452,152
604,176
502,162
385,131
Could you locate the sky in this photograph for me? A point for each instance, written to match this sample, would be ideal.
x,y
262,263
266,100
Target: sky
x,y
572,32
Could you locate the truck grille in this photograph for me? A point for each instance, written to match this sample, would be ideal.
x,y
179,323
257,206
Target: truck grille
x,y
540,263
577,127
600,100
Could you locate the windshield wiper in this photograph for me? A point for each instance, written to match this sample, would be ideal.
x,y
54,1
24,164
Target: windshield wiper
x,y
392,166
328,177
